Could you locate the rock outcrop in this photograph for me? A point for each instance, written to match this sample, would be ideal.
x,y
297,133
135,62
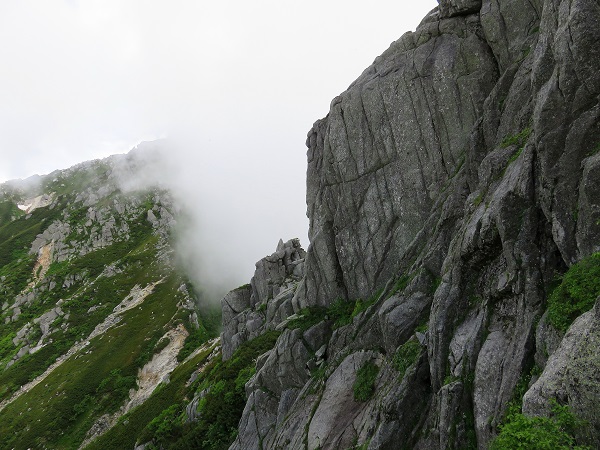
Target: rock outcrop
x,y
262,305
449,185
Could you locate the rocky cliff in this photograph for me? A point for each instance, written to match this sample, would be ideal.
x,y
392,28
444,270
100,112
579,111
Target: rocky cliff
x,y
453,193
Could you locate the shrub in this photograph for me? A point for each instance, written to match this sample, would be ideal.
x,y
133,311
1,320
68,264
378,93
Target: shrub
x,y
308,317
341,312
576,294
539,433
364,386
222,406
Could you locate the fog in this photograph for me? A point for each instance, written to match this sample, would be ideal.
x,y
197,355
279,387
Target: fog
x,y
227,222
234,85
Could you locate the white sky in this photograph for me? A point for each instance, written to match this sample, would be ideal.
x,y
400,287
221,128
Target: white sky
x,y
83,79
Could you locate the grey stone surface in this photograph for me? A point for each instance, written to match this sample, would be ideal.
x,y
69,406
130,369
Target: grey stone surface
x,y
466,157
379,161
267,301
450,8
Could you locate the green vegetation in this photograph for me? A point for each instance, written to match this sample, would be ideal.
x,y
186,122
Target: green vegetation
x,y
125,432
401,284
92,383
222,406
16,236
195,339
364,386
308,317
341,312
97,379
576,294
518,431
592,152
518,139
162,418
15,275
242,287
515,155
8,211
406,355
539,433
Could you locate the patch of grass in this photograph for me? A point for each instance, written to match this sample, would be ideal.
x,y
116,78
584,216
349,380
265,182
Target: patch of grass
x,y
400,284
364,386
406,355
16,236
514,157
362,305
195,339
341,312
8,211
450,379
16,275
539,433
595,150
308,317
222,407
518,139
477,200
242,287
576,294
104,371
128,429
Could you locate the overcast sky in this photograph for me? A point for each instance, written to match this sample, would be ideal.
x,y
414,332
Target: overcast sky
x,y
244,80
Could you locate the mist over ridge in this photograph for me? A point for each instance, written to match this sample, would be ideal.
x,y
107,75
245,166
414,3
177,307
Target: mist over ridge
x,y
228,219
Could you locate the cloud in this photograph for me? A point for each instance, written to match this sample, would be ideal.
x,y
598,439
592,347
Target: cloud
x,y
228,222
240,83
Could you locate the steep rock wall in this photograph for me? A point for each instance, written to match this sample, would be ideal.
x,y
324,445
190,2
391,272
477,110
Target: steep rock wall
x,y
449,185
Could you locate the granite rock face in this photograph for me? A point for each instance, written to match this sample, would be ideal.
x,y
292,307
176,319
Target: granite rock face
x,y
449,185
252,309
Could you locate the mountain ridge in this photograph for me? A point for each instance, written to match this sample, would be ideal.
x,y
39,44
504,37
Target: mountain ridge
x,y
449,297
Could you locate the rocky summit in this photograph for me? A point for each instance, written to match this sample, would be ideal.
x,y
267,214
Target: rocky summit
x,y
449,297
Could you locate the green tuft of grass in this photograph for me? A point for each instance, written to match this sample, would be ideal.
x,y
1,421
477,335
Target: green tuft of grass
x,y
518,139
364,386
406,355
401,284
539,433
595,150
308,317
576,294
222,406
514,157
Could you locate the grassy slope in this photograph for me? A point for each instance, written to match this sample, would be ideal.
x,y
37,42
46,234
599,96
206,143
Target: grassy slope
x,y
162,418
58,412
